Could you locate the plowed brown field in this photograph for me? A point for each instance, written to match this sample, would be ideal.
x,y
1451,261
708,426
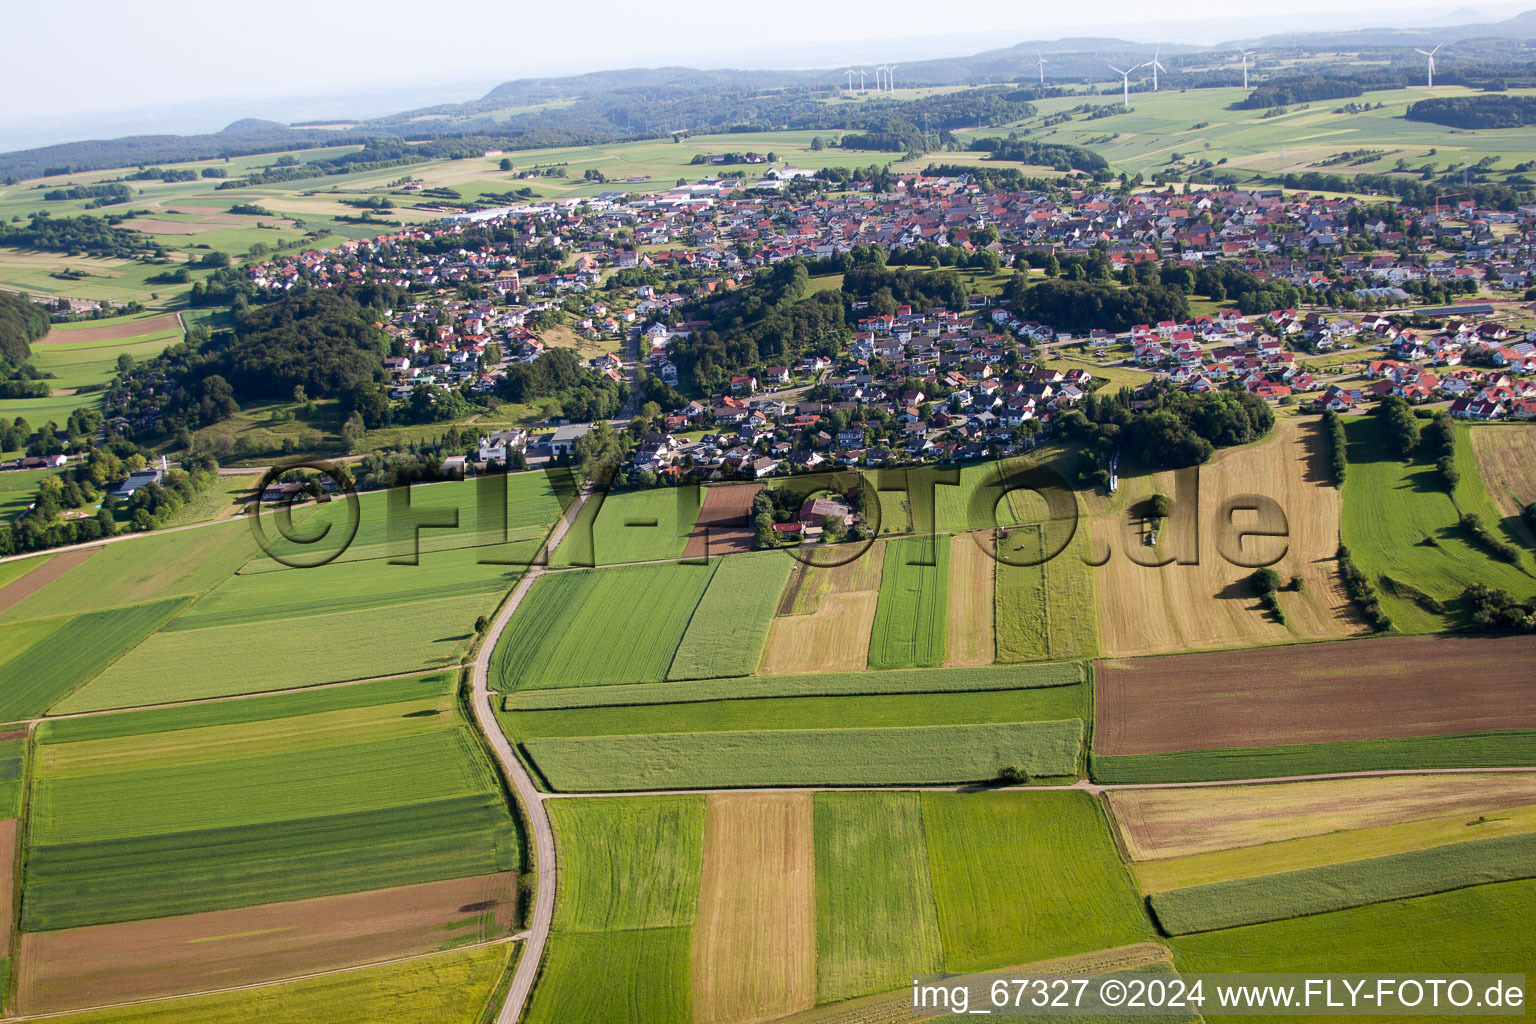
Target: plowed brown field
x,y
724,525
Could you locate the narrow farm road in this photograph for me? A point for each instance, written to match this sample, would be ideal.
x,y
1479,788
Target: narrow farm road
x,y
527,793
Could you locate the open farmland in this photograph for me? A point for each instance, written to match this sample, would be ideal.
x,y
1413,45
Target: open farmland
x,y
600,626
804,757
1400,524
78,362
730,625
1020,876
1481,928
1045,610
631,526
876,922
1177,823
754,948
913,680
102,964
909,629
623,928
454,986
1326,700
825,617
18,488
724,525
1147,609
213,818
1506,460
968,619
1330,887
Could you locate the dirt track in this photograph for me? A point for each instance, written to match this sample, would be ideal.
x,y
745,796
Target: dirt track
x,y
1314,693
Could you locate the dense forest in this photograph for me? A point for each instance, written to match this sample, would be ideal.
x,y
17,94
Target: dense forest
x,y
1487,111
22,322
1044,154
94,236
1081,305
1286,91
1171,428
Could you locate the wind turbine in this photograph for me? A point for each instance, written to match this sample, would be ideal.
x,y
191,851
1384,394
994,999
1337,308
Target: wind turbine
x,y
850,73
1156,66
1041,63
1246,55
890,83
1126,75
861,81
1431,55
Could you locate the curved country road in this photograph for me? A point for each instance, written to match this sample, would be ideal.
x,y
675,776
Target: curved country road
x,y
532,800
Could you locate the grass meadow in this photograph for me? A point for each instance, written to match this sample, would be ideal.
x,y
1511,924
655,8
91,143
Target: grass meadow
x,y
1046,610
631,526
17,489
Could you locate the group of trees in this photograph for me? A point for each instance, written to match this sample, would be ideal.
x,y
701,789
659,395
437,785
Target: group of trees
x,y
85,234
21,323
1333,430
1476,112
1058,156
1287,91
1498,610
564,387
1172,428
1082,305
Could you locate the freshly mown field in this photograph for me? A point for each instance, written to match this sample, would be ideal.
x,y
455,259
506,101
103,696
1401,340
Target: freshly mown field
x,y
1505,456
948,680
599,626
1356,702
623,930
1400,524
631,526
876,921
1020,876
909,629
922,754
1046,610
1318,890
64,653
1146,608
1482,928
729,627
825,618
452,988
212,816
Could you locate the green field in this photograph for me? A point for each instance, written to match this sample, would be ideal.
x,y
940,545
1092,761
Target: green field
x,y
1330,887
623,927
215,814
876,922
631,526
1020,877
1483,928
86,363
1048,704
1400,523
452,988
805,757
63,654
18,487
599,626
13,760
730,625
909,629
1466,750
919,680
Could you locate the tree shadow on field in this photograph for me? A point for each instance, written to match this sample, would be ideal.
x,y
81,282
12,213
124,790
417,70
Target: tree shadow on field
x,y
1237,590
1316,460
423,713
452,639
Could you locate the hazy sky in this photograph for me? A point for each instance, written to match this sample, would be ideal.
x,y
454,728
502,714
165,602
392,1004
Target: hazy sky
x,y
67,64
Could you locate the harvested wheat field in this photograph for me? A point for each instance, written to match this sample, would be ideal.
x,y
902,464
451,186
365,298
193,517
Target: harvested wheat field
x,y
1147,609
1393,687
1162,823
724,525
825,617
113,332
1506,459
48,569
754,941
970,604
78,967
